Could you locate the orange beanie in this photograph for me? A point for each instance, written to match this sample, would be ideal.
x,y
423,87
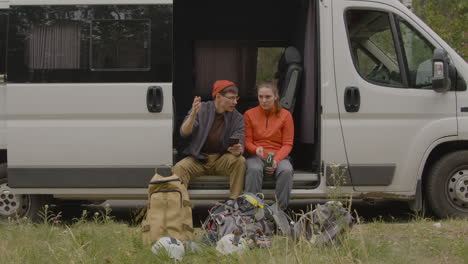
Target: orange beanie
x,y
219,85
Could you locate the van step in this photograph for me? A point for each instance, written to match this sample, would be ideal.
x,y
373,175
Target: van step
x,y
298,176
302,180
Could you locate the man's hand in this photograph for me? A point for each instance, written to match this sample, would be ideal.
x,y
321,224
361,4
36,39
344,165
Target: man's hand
x,y
271,170
235,149
196,105
259,152
187,125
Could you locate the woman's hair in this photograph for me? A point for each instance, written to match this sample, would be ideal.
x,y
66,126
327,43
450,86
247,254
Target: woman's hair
x,y
274,88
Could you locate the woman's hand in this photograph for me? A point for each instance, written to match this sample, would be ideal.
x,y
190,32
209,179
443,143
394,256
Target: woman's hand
x,y
271,170
259,152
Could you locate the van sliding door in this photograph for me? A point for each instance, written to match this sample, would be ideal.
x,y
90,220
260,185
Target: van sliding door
x,y
3,75
89,95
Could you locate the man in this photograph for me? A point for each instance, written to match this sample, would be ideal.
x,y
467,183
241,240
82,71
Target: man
x,y
211,125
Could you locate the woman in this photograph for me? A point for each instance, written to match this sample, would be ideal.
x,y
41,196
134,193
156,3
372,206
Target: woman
x,y
269,128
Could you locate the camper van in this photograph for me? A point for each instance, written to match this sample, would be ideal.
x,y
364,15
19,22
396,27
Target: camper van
x,y
93,93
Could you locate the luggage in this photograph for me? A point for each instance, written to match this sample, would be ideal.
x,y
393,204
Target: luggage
x,y
169,211
256,222
325,224
248,216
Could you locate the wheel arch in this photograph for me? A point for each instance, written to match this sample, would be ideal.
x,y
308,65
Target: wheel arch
x,y
439,150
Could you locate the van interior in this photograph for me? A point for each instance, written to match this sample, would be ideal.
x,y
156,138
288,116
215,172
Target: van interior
x,y
249,42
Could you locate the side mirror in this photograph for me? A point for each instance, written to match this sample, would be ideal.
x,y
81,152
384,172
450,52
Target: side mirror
x,y
440,71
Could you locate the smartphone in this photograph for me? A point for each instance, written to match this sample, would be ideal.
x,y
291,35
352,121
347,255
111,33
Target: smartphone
x,y
233,141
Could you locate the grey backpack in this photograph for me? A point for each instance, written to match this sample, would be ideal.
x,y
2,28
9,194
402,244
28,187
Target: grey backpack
x,y
247,215
325,224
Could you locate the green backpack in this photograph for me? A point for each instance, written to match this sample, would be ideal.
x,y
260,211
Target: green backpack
x,y
169,210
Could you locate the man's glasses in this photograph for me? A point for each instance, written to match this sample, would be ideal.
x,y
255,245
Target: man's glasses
x,y
232,98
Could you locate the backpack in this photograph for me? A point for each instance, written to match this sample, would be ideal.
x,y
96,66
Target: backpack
x,y
324,224
169,210
246,215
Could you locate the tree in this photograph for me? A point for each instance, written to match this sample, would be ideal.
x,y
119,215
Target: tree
x,y
448,19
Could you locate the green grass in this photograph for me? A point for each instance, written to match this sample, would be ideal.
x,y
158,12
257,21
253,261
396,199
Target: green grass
x,y
102,240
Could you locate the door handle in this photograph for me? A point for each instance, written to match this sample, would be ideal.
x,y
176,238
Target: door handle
x,y
352,99
155,99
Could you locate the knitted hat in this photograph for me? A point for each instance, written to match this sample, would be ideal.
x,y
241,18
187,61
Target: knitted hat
x,y
219,85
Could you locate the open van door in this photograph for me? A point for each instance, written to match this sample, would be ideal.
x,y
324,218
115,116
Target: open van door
x,y
389,112
96,110
3,47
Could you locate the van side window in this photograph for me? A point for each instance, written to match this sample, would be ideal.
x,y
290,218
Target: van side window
x,y
90,43
122,44
418,52
53,46
373,48
366,62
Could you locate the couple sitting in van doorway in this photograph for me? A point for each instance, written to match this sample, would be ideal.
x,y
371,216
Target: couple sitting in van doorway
x,y
213,125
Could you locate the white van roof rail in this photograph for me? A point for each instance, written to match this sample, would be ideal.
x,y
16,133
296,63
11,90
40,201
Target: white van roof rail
x,y
88,2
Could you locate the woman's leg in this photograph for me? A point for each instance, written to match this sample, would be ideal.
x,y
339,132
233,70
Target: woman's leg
x,y
254,175
284,181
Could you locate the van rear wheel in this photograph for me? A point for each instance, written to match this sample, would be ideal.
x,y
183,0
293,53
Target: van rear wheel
x,y
12,205
447,186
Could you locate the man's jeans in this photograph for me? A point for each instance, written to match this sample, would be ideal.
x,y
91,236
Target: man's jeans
x,y
226,165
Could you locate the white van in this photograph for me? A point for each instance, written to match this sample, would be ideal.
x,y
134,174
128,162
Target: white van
x,y
92,94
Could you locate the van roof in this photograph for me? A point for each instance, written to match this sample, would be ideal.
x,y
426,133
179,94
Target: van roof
x,y
133,2
392,2
84,2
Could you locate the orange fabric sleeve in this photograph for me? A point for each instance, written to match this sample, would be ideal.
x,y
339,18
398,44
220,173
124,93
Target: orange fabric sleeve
x,y
249,145
288,139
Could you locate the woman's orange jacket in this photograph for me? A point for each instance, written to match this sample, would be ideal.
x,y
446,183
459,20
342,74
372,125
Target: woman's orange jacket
x,y
275,133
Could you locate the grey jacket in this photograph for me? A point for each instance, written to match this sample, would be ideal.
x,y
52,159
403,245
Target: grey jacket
x,y
233,127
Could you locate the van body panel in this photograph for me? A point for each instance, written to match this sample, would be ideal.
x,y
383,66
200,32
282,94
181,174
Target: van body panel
x,y
116,177
462,102
108,125
3,128
3,35
393,125
142,193
462,99
332,151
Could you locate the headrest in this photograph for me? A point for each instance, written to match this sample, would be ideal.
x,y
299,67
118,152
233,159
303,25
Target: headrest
x,y
290,55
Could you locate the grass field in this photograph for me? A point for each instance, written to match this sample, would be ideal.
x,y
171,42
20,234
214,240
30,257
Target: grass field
x,y
101,240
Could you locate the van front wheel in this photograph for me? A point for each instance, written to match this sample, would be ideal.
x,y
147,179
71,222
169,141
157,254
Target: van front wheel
x,y
13,205
447,186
